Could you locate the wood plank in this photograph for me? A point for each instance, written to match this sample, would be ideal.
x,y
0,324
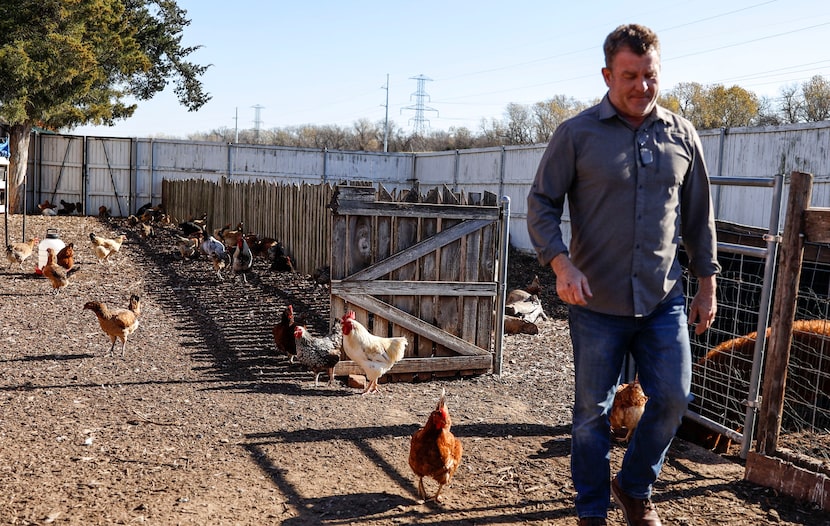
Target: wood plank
x,y
418,250
419,365
416,210
406,236
783,315
449,314
487,272
381,287
471,248
789,479
817,225
428,273
415,324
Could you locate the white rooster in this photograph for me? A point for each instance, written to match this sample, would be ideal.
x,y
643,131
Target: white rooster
x,y
374,354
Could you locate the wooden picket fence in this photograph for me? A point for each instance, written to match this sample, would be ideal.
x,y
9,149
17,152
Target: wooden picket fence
x,y
296,214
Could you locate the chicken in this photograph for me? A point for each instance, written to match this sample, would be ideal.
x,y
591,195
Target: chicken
x,y
321,277
118,323
280,261
106,247
260,246
145,230
66,257
243,259
629,404
228,236
434,451
191,229
187,246
67,208
47,208
517,295
374,354
283,333
104,212
319,354
20,252
57,274
215,250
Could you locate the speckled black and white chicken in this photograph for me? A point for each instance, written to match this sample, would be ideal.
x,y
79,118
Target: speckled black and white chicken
x,y
319,354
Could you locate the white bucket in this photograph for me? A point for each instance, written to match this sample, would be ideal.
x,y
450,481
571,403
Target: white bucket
x,y
52,240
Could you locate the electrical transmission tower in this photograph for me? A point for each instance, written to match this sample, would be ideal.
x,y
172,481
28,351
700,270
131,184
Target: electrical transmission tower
x,y
257,121
420,122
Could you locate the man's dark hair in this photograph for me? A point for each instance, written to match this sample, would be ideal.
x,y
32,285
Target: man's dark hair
x,y
635,37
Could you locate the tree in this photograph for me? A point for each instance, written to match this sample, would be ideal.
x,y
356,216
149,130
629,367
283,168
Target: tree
x,y
767,113
551,113
816,97
792,105
714,106
729,107
78,62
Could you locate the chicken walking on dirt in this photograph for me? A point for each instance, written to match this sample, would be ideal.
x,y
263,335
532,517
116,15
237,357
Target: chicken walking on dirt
x,y
117,324
434,451
105,247
56,274
374,354
243,259
283,333
319,354
20,252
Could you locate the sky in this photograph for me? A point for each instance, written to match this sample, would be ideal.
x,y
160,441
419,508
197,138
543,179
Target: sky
x,y
327,62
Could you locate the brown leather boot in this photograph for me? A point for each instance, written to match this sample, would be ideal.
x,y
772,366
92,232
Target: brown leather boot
x,y
637,512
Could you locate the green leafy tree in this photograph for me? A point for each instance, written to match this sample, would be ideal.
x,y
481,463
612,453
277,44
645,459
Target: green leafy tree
x,y
66,63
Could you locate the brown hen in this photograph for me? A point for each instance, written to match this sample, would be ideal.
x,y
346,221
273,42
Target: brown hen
x,y
629,404
117,323
434,451
56,274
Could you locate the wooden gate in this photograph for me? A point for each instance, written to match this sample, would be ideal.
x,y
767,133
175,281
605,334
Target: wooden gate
x,y
421,267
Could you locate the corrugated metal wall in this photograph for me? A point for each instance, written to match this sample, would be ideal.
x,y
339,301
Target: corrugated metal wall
x,y
124,174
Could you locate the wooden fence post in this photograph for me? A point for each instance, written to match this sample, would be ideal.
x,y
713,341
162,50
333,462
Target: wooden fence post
x,y
783,314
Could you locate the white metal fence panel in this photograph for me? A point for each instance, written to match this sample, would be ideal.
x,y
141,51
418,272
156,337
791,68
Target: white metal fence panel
x,y
389,169
286,165
60,171
109,177
435,168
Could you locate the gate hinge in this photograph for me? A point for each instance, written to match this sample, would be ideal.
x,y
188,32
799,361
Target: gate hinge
x,y
754,404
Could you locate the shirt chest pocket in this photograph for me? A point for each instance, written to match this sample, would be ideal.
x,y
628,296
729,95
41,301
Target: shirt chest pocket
x,y
672,160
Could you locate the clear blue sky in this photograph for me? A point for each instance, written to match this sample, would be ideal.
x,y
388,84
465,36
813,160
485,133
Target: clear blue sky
x,y
326,62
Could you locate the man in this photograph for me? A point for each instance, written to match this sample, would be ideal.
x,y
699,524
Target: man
x,y
636,182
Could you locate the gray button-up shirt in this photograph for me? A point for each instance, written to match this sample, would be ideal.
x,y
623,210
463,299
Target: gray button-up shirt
x,y
631,195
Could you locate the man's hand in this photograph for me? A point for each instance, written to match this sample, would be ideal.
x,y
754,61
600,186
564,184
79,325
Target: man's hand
x,y
571,284
704,305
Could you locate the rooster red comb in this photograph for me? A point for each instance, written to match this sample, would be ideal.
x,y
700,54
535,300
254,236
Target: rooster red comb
x,y
350,315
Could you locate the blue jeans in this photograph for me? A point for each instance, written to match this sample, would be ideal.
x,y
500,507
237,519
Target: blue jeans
x,y
660,346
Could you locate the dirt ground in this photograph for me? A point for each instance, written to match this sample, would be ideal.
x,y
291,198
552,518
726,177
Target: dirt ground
x,y
202,423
